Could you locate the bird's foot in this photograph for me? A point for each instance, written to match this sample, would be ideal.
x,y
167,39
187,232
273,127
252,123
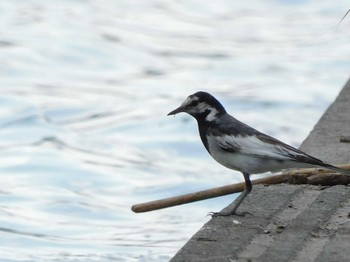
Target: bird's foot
x,y
225,214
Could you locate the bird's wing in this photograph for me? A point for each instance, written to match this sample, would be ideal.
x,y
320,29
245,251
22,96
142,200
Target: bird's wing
x,y
234,136
263,146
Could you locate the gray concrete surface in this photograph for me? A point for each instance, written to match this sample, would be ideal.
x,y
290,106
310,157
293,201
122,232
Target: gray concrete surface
x,y
288,222
324,140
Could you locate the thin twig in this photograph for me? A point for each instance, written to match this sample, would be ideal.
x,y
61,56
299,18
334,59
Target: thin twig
x,y
343,17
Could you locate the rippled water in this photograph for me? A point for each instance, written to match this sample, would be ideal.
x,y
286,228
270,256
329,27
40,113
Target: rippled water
x,y
85,89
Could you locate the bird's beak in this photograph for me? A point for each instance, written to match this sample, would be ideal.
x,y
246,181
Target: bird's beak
x,y
177,110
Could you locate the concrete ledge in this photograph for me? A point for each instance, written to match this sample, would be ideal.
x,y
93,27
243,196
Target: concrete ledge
x,y
288,222
324,140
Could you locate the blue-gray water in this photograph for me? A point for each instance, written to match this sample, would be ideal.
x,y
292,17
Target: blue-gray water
x,y
85,89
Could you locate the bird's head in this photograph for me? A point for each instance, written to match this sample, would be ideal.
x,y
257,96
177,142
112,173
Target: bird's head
x,y
202,106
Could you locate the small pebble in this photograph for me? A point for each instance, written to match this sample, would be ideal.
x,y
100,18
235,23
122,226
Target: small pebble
x,y
236,222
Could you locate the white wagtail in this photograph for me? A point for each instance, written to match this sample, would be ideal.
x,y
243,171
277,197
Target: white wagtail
x,y
240,147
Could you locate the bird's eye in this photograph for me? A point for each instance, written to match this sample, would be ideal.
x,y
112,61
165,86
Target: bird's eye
x,y
193,103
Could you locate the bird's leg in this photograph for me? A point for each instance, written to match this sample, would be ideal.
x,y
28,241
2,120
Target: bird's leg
x,y
239,200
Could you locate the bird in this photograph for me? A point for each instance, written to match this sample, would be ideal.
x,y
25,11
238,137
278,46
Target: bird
x,y
240,147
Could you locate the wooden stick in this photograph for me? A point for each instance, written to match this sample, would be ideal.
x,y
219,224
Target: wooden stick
x,y
345,139
230,189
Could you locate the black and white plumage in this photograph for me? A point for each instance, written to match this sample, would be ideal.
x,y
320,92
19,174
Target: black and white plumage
x,y
238,146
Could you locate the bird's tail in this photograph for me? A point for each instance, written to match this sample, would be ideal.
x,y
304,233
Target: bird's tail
x,y
338,169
